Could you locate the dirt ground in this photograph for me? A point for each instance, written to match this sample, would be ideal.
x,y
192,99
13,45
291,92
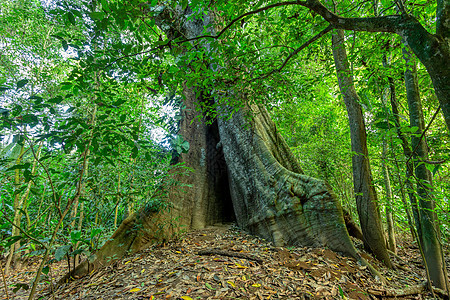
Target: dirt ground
x,y
222,262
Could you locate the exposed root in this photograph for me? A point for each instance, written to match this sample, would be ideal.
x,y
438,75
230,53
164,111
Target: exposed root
x,y
134,234
413,290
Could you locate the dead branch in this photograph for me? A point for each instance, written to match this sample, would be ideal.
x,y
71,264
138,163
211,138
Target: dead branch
x,y
413,290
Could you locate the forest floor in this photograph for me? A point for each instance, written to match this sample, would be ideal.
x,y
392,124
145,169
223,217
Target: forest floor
x,y
222,262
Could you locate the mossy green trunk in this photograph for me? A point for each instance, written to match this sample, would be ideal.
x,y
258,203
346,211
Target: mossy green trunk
x,y
426,218
366,198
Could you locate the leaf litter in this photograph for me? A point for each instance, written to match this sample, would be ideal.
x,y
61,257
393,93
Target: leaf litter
x,y
223,262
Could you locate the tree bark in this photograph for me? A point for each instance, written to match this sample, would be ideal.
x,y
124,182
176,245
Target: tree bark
x,y
427,226
366,198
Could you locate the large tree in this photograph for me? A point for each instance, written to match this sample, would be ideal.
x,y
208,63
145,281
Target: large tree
x,y
242,170
366,196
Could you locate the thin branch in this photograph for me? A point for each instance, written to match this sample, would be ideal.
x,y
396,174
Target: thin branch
x,y
4,283
23,231
423,134
134,54
243,16
48,176
296,51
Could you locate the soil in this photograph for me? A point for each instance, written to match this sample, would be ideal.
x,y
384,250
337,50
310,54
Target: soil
x,y
222,262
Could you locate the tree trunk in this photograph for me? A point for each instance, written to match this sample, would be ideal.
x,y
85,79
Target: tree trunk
x,y
427,226
366,198
13,255
392,245
241,170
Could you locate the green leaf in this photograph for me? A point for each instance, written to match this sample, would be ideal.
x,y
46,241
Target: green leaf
x,y
61,252
382,125
386,3
436,168
185,146
208,286
71,17
19,286
56,100
119,102
30,119
12,240
19,167
75,236
21,83
66,87
134,152
105,5
37,99
58,37
45,270
97,15
96,231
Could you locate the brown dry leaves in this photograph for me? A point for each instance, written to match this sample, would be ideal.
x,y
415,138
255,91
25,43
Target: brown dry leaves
x,y
176,271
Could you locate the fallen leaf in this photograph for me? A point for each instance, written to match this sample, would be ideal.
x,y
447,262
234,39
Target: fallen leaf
x,y
231,283
240,266
134,290
209,286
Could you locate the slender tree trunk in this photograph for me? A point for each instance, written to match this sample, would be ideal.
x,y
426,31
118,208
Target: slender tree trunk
x,y
392,245
406,149
12,257
366,198
73,214
80,225
116,210
428,228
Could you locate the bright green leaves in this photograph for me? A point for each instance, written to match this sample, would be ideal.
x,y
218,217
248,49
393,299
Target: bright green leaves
x,y
96,15
180,145
66,86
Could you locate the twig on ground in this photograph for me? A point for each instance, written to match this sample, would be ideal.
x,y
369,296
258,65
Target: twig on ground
x,y
413,290
4,282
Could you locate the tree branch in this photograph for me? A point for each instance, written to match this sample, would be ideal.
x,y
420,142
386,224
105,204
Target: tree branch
x,y
134,54
243,16
423,133
371,24
296,51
